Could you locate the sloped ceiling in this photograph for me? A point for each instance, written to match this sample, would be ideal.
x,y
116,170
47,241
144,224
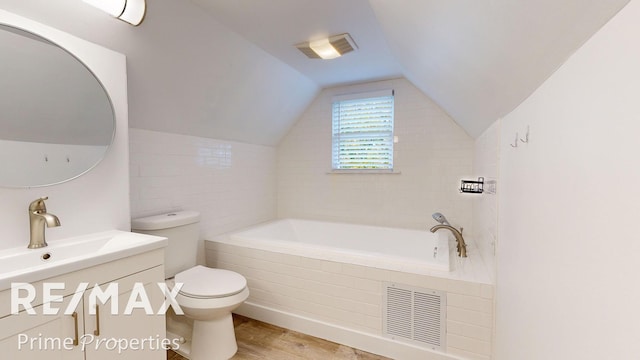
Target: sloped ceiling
x,y
188,73
481,59
276,25
477,59
227,69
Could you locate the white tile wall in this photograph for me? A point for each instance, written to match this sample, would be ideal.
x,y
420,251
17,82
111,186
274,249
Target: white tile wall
x,y
351,295
433,154
231,184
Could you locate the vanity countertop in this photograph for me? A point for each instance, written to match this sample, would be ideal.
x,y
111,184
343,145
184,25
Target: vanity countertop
x,y
63,256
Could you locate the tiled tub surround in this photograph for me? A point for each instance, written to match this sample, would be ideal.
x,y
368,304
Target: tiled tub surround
x,y
232,184
343,302
432,154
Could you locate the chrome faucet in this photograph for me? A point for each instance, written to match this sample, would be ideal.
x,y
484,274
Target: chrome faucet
x,y
38,218
462,246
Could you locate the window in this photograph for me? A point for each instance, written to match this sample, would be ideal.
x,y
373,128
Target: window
x,y
363,131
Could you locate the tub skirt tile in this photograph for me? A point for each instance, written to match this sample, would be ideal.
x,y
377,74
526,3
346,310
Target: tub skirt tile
x,y
351,296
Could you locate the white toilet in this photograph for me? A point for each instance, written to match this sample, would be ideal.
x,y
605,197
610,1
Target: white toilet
x,y
208,295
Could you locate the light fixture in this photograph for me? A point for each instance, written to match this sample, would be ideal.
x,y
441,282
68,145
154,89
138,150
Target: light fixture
x,y
328,48
131,11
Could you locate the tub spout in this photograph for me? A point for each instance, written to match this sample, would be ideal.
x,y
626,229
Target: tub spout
x,y
462,246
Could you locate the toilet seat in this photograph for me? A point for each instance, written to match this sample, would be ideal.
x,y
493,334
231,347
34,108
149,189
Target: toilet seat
x,y
201,282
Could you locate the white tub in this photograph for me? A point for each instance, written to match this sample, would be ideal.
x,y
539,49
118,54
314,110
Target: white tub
x,y
413,251
328,280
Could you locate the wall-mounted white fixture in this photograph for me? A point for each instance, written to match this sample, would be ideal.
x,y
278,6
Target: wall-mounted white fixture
x,y
131,11
328,48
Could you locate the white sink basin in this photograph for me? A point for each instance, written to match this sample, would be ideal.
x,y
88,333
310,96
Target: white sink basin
x,y
63,256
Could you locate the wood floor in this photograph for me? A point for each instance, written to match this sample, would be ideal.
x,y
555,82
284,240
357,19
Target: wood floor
x,y
259,341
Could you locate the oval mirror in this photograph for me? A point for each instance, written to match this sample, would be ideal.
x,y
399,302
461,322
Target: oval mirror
x,y
56,119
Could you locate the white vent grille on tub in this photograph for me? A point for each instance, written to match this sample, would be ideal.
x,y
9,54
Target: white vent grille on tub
x,y
415,315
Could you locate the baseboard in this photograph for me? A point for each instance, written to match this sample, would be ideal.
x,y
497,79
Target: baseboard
x,y
356,339
184,349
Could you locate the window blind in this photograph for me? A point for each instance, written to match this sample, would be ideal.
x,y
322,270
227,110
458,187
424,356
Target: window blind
x,y
363,133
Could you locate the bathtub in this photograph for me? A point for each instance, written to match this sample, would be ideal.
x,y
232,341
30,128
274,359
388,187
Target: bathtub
x,y
332,280
395,249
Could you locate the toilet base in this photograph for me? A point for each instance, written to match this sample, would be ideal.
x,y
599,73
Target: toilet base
x,y
213,339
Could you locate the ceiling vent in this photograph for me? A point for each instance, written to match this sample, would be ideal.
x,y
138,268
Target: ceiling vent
x,y
328,48
415,315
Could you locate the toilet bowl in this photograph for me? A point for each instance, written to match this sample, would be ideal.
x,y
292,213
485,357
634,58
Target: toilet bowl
x,y
206,295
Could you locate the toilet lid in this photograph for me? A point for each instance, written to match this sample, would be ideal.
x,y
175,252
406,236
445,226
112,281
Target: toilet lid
x,y
203,282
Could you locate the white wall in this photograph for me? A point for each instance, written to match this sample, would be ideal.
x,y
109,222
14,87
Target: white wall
x,y
231,184
567,261
98,200
188,74
485,206
433,154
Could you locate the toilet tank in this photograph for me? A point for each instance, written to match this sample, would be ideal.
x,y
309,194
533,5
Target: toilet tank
x,y
182,228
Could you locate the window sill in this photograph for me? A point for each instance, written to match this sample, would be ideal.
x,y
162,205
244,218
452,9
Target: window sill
x,y
365,172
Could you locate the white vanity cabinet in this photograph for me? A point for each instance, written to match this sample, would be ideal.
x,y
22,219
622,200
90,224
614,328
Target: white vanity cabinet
x,y
141,334
101,335
26,337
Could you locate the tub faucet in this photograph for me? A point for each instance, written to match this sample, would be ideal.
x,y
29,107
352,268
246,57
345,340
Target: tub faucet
x,y
462,246
38,218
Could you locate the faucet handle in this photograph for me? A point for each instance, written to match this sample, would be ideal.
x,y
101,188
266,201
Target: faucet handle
x,y
38,204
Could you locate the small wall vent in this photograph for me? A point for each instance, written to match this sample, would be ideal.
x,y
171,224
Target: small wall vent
x,y
415,315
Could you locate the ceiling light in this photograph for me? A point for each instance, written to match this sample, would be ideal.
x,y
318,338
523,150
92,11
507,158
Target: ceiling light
x,y
324,49
328,48
131,11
